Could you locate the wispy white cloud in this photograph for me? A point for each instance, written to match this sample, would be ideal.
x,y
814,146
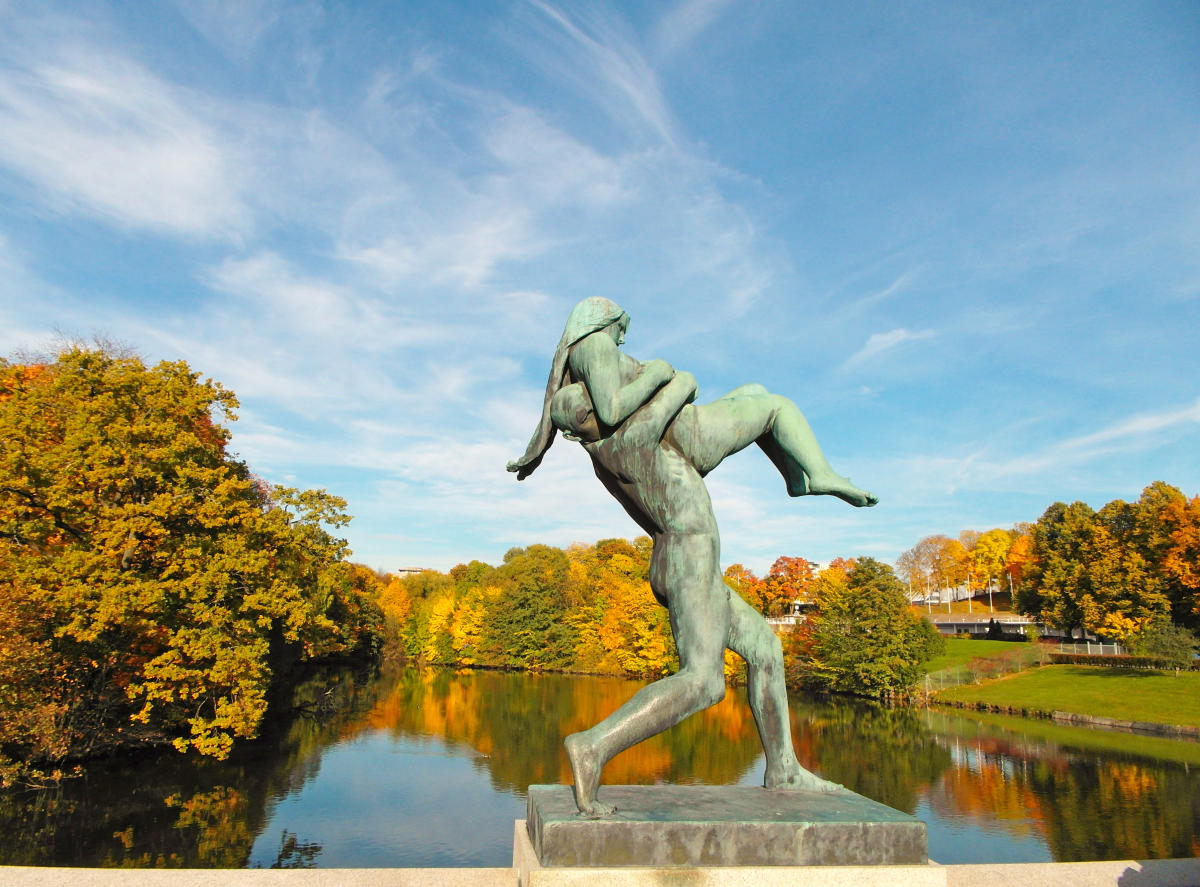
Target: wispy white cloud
x,y
1136,430
872,300
103,135
311,306
930,477
597,52
458,228
1139,432
880,343
234,26
683,23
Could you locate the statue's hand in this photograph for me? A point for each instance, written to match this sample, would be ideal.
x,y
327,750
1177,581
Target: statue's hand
x,y
688,380
660,368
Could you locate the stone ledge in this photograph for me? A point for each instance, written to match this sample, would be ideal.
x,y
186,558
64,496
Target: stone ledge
x,y
1108,873
528,872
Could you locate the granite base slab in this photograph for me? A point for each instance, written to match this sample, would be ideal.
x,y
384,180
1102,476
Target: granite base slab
x,y
701,825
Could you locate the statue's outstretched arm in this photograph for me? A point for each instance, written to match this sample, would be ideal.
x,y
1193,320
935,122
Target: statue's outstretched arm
x,y
596,362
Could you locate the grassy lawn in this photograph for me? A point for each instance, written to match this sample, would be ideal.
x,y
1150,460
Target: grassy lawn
x,y
1129,694
960,651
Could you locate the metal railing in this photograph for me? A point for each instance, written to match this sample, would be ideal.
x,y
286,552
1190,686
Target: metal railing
x,y
1093,648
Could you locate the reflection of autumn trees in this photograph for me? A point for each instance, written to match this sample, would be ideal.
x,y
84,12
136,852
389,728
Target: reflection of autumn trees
x,y
985,790
167,810
1118,810
1083,805
516,724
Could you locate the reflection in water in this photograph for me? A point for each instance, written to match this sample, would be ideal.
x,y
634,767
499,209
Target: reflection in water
x,y
1082,794
429,768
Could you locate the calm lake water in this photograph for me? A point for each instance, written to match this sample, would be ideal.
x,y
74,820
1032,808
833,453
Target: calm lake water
x,y
430,768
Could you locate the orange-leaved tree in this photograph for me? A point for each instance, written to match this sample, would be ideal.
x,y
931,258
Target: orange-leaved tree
x,y
787,582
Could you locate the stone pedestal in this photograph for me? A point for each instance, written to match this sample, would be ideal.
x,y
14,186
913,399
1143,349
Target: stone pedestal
x,y
703,826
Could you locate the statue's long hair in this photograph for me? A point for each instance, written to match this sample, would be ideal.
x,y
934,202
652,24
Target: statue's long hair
x,y
589,316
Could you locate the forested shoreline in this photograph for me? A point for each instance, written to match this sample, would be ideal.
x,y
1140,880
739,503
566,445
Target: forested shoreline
x,y
154,590
589,609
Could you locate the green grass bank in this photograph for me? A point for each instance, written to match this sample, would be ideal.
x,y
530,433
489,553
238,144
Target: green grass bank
x,y
1122,693
960,651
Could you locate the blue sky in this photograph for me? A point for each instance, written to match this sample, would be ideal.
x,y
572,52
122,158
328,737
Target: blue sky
x,y
964,237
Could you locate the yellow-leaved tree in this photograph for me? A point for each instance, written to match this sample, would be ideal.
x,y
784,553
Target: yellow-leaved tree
x,y
151,585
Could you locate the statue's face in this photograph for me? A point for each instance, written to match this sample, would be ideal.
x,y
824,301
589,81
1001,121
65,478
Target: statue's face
x,y
587,430
618,328
571,410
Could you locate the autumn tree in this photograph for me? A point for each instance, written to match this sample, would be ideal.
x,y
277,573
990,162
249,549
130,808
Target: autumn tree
x,y
950,563
989,556
788,580
968,538
1181,558
152,585
1058,579
917,565
1125,588
628,628
1020,554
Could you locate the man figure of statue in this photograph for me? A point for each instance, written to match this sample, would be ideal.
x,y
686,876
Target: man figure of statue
x,y
650,447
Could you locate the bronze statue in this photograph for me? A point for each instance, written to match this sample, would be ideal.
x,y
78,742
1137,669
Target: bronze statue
x,y
651,446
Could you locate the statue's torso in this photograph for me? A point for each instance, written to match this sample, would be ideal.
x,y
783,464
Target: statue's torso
x,y
657,486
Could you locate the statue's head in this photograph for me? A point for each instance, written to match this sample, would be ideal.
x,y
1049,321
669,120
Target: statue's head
x,y
592,315
589,316
572,413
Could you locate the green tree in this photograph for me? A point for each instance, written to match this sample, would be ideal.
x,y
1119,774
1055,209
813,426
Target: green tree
x,y
528,626
1165,640
1057,577
864,639
152,584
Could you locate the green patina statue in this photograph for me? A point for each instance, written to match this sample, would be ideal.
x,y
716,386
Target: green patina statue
x,y
651,447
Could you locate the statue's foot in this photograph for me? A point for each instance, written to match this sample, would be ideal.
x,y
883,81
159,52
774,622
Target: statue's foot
x,y
835,485
586,766
797,779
